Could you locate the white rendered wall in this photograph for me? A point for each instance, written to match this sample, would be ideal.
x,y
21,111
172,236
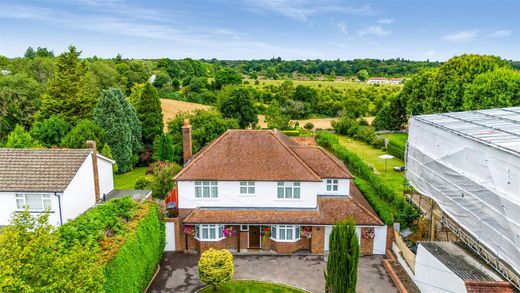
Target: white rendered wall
x,y
432,276
379,238
8,207
79,195
343,187
106,177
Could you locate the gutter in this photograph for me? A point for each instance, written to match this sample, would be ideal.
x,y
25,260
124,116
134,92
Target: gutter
x,y
59,206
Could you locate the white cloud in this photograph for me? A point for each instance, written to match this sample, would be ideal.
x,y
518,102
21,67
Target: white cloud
x,y
499,33
386,21
342,27
375,30
462,36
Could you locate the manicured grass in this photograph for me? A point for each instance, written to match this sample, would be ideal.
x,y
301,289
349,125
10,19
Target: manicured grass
x,y
127,180
398,138
369,154
252,287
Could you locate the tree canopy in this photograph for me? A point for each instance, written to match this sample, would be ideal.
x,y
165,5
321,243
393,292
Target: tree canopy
x,y
237,102
83,131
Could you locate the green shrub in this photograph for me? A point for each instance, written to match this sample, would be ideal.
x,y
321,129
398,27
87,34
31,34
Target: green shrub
x,y
291,132
308,126
144,182
216,267
358,130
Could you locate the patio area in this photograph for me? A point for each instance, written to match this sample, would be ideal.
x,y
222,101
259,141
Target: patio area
x,y
179,272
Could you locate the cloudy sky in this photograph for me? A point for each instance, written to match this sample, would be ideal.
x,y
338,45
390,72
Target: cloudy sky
x,y
254,29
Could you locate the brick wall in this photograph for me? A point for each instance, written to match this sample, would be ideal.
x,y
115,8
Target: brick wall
x,y
244,238
488,287
290,247
318,240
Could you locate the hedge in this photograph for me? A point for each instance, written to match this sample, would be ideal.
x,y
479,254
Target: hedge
x,y
352,128
377,193
395,149
130,237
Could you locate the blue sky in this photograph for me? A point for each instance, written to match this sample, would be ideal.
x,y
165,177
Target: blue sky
x,y
291,29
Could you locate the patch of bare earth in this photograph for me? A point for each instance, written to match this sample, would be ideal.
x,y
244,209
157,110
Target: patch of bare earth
x,y
171,108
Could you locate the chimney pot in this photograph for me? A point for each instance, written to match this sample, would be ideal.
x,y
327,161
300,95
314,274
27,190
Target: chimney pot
x,y
186,141
186,122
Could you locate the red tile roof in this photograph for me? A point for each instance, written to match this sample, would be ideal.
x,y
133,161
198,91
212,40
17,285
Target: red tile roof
x,y
261,155
330,210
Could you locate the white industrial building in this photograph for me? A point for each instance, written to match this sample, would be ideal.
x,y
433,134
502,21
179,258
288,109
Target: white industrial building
x,y
469,163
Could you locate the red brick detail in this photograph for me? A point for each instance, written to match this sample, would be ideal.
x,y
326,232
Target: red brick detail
x,y
244,239
389,237
290,247
488,287
318,240
367,244
393,276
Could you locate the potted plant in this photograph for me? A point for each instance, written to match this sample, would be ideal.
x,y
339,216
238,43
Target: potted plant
x,y
190,230
230,231
306,232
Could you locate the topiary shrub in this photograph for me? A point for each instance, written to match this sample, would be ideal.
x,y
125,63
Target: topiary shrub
x,y
216,267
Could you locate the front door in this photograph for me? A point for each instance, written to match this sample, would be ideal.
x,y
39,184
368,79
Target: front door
x,y
254,236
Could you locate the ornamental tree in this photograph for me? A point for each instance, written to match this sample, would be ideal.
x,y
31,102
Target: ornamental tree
x,y
216,267
342,263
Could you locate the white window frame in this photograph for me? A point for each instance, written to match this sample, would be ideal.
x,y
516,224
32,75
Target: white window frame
x,y
280,233
217,235
247,188
244,227
332,184
206,189
288,190
45,201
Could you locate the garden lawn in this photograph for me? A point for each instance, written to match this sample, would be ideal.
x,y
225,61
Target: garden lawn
x,y
398,138
127,180
252,287
369,154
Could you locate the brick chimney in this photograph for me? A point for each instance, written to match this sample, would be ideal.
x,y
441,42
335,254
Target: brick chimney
x,y
186,141
92,145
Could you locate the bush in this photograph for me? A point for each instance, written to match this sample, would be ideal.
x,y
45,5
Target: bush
x,y
291,132
358,130
216,267
144,182
308,126
159,178
83,131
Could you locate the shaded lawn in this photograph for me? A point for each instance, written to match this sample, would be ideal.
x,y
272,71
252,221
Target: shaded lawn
x,y
252,287
370,155
127,180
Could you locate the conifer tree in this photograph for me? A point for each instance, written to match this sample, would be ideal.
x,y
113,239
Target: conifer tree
x,y
342,263
105,151
149,111
163,148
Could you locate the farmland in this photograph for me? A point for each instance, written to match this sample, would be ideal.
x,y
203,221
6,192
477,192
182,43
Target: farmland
x,y
171,108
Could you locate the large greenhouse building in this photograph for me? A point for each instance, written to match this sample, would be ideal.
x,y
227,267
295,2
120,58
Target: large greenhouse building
x,y
469,163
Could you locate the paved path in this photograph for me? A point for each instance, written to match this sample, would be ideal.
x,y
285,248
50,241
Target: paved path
x,y
179,272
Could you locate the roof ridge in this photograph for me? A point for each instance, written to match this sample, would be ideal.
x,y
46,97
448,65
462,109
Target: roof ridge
x,y
200,154
296,156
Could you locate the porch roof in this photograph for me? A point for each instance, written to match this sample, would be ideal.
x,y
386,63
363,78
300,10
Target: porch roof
x,y
330,210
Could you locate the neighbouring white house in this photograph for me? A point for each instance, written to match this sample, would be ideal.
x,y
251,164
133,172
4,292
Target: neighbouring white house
x,y
61,182
261,190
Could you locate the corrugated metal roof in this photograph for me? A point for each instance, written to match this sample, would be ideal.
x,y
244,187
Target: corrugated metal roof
x,y
497,127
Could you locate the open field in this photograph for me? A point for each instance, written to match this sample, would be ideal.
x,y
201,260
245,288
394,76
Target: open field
x,y
127,180
171,108
322,123
369,154
340,85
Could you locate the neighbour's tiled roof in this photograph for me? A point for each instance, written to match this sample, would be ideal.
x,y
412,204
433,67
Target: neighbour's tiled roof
x,y
330,210
260,155
45,170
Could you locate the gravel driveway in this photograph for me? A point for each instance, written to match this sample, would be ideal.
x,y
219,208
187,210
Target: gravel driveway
x,y
179,272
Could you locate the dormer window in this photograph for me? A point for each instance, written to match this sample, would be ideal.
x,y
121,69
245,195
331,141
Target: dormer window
x,y
247,188
332,184
288,190
206,189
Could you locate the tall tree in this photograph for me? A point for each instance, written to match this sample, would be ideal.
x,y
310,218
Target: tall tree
x,y
50,131
362,75
149,112
227,76
275,118
19,138
342,262
237,102
83,131
105,151
497,88
110,115
163,148
67,94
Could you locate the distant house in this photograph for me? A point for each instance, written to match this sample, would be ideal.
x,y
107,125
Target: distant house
x,y
377,80
62,182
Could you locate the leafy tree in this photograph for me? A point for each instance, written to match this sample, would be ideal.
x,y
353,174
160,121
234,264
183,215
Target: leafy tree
x,y
342,262
216,267
160,181
83,131
227,76
44,52
149,112
362,75
50,131
19,100
110,115
275,118
29,53
19,138
163,148
237,102
67,94
105,151
417,93
392,116
308,126
305,94
206,126
162,80
493,89
34,259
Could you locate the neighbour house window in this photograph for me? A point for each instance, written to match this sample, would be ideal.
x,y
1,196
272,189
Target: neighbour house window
x,y
210,232
332,184
285,232
206,189
34,201
247,187
289,190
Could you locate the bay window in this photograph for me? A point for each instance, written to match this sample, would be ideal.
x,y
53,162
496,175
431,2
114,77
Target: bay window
x,y
33,201
206,189
289,190
210,232
287,233
332,184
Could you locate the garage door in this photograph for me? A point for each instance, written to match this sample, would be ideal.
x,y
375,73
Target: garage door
x,y
328,229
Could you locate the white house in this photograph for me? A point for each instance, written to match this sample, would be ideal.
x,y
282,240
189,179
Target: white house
x,y
62,182
259,189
